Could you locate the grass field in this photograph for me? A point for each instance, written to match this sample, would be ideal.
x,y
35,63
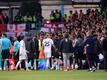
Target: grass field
x,y
53,75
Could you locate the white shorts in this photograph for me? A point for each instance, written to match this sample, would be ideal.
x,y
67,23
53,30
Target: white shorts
x,y
47,54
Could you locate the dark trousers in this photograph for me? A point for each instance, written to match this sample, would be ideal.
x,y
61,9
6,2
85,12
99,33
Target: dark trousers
x,y
5,57
90,60
16,57
96,60
37,57
32,61
105,59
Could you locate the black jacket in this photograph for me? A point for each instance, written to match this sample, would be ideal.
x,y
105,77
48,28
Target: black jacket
x,y
97,47
104,44
90,43
36,44
66,46
30,47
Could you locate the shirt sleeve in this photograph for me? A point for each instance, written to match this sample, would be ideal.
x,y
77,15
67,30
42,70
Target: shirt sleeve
x,y
52,42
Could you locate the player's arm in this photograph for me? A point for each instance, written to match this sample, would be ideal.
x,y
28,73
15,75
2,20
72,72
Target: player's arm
x,y
42,45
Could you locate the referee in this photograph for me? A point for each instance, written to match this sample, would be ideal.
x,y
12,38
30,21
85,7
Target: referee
x,y
6,43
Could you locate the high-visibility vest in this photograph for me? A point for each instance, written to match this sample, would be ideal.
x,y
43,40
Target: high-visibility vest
x,y
30,19
24,19
52,17
16,18
34,18
65,18
57,15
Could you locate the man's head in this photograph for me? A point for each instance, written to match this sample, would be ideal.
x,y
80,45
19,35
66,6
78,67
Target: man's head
x,y
22,37
4,35
47,35
66,35
15,38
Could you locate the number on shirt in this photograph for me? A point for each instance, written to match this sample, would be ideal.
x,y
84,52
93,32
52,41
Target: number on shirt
x,y
46,43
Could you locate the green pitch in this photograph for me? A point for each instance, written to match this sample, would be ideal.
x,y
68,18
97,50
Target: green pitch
x,y
53,75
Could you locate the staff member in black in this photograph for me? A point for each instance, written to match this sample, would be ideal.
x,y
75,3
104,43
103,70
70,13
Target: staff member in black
x,y
104,49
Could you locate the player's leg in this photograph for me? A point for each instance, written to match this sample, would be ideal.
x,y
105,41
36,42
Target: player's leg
x,y
0,60
68,61
65,61
26,64
18,63
47,56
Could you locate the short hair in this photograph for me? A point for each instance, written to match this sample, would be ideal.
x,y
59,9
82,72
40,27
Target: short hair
x,y
4,34
22,37
66,35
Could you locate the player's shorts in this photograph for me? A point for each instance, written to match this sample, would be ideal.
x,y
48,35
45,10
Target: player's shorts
x,y
55,54
5,54
47,54
16,56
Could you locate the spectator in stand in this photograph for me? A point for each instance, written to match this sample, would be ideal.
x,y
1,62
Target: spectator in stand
x,y
1,18
28,18
65,18
81,14
5,18
18,18
70,14
52,16
34,18
58,16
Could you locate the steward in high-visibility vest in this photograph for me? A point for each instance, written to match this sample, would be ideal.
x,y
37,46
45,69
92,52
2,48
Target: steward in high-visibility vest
x,y
34,18
18,19
65,17
29,19
70,14
24,19
57,15
52,16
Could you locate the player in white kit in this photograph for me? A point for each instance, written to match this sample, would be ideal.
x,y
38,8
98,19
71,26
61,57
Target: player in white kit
x,y
47,45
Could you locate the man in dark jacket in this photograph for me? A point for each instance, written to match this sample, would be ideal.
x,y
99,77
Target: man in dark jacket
x,y
36,44
66,49
89,47
104,49
30,50
79,50
97,50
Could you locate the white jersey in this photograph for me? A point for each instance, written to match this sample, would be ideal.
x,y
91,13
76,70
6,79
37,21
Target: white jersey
x,y
47,43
